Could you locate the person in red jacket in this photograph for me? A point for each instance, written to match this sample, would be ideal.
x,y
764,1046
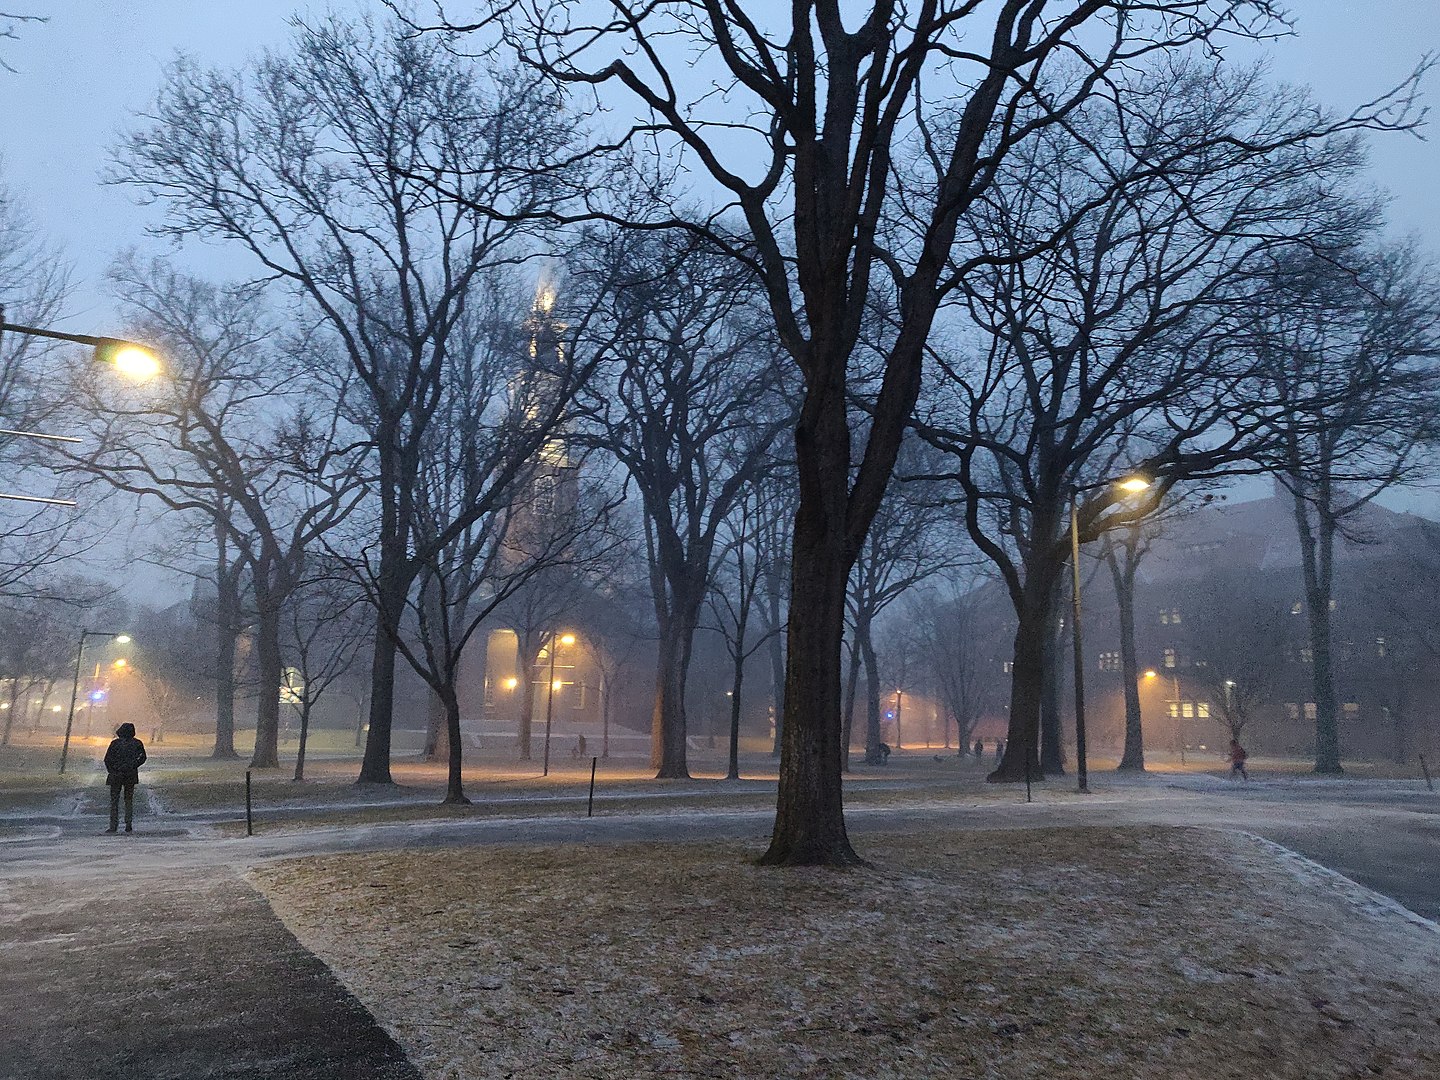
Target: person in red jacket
x,y
1237,759
122,773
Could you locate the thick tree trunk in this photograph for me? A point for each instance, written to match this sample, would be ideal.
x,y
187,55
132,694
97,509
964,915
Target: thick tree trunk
x,y
847,708
1052,735
270,671
1317,546
872,702
227,622
527,653
1034,628
809,817
668,725
375,766
304,738
437,744
1133,758
454,787
733,772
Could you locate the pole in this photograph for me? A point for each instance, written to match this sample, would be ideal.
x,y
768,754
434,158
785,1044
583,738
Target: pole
x,y
550,702
1079,649
249,819
590,809
1179,720
1426,770
74,693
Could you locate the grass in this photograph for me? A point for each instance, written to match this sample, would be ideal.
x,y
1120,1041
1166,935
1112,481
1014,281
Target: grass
x,y
1082,953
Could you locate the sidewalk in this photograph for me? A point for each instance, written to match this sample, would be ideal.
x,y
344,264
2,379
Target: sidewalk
x,y
185,976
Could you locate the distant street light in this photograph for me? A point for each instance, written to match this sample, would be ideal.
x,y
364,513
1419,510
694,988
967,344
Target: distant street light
x,y
1132,485
75,686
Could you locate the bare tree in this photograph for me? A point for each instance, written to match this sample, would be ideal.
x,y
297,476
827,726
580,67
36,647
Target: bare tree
x,y
1349,347
692,415
323,164
325,623
231,435
949,637
805,144
1115,348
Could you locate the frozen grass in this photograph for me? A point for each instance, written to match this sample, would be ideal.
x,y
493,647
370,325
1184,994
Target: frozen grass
x,y
1076,953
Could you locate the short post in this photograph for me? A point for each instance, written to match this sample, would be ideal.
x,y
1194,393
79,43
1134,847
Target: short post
x,y
590,809
1027,775
1426,770
249,820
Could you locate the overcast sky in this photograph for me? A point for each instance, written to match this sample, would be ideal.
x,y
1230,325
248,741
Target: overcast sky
x,y
84,74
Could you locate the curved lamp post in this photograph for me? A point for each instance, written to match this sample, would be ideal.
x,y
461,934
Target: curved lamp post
x,y
1132,485
75,686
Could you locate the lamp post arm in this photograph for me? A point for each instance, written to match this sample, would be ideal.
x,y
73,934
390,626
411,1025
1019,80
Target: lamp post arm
x,y
35,331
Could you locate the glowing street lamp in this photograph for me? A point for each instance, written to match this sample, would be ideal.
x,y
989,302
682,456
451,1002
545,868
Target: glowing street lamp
x,y
129,358
120,639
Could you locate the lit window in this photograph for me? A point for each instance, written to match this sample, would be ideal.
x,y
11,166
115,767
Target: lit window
x,y
1296,608
1352,709
489,690
1171,658
1174,709
1292,710
1174,616
1379,646
1008,666
1109,661
1332,605
1307,654
1309,710
1202,710
1187,708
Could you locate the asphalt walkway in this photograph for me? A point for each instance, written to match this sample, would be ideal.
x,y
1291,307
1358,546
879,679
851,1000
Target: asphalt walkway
x,y
183,976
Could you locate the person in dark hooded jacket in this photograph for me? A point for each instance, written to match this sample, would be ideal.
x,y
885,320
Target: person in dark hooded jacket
x,y
122,769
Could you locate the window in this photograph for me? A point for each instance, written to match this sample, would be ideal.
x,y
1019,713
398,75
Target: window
x,y
1309,710
1296,608
489,690
1351,709
1174,709
544,494
1169,616
1171,658
577,696
1332,605
1109,661
1307,654
1292,710
1380,647
1187,708
1007,666
1202,710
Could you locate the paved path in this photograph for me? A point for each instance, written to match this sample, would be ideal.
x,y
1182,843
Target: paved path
x,y
149,955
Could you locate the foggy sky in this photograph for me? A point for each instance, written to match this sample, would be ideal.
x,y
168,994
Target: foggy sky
x,y
95,64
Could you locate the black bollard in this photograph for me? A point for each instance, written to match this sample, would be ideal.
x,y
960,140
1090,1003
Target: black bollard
x,y
590,809
1426,770
249,821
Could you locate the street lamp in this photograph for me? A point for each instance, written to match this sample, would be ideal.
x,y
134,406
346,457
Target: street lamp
x,y
75,685
567,640
1131,485
129,358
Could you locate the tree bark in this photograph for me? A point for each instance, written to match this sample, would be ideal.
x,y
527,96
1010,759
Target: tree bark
x,y
809,816
1133,757
1052,739
227,632
1034,627
454,787
777,681
375,766
872,702
304,738
270,673
668,727
437,739
733,772
847,707
1317,547
527,652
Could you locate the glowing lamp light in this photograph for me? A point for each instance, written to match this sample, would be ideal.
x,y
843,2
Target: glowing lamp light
x,y
557,685
135,362
97,695
1134,484
122,639
120,663
567,639
889,714
1152,674
511,683
56,708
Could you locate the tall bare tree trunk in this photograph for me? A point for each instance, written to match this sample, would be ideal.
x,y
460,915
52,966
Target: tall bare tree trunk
x,y
1317,547
270,673
1033,629
668,728
454,787
227,632
1122,572
872,701
847,707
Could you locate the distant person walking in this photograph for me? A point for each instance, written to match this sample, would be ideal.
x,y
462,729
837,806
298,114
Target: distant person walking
x,y
1237,759
122,773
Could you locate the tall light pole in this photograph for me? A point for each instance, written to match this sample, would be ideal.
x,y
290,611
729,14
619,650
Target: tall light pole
x,y
567,640
1132,485
75,685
